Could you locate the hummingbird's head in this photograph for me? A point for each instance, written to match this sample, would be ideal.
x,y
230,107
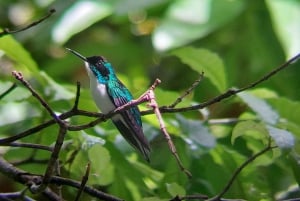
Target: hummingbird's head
x,y
96,66
99,66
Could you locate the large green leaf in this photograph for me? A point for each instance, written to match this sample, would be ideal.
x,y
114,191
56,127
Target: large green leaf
x,y
203,60
260,107
196,133
187,20
285,16
283,138
175,190
24,62
243,127
78,17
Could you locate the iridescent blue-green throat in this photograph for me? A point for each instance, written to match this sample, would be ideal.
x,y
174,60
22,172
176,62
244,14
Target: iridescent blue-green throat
x,y
109,93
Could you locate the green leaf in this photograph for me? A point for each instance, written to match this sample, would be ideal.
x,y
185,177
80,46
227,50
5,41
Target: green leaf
x,y
203,60
17,94
284,139
243,127
197,133
174,189
285,15
15,51
56,90
78,17
260,107
87,141
164,97
187,20
101,169
287,109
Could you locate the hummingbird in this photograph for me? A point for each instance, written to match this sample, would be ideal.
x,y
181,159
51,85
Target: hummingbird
x,y
109,93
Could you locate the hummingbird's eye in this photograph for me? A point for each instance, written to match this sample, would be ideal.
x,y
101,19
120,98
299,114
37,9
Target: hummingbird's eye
x,y
98,65
102,69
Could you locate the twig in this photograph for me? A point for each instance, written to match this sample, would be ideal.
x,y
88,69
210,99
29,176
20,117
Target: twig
x,y
19,77
239,169
58,188
25,178
30,159
187,92
28,145
51,195
83,181
12,87
52,162
228,93
14,196
76,102
7,31
163,109
153,104
150,97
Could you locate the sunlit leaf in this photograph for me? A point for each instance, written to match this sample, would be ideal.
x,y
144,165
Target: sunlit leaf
x,y
165,97
56,90
283,138
203,60
101,170
174,189
243,127
197,133
78,17
88,141
285,15
15,51
17,94
187,20
260,107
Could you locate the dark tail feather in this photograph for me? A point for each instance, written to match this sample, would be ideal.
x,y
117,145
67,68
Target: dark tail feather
x,y
135,137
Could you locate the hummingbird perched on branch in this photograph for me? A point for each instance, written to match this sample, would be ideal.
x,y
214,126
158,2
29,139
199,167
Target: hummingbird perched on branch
x,y
109,93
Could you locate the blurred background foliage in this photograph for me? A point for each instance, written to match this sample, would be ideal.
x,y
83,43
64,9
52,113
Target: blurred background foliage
x,y
234,42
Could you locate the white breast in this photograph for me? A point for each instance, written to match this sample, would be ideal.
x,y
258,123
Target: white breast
x,y
100,95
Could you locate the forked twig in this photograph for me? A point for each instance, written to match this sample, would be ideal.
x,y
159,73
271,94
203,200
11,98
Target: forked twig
x,y
150,97
152,103
6,31
19,76
187,92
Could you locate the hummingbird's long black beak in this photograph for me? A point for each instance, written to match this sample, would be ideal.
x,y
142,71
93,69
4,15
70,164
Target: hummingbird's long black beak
x,y
77,54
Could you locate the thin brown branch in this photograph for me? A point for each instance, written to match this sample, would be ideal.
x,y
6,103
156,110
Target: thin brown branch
x,y
14,196
187,92
12,87
48,193
153,104
76,102
239,169
30,159
20,77
28,145
30,179
163,109
52,161
7,31
228,93
83,181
